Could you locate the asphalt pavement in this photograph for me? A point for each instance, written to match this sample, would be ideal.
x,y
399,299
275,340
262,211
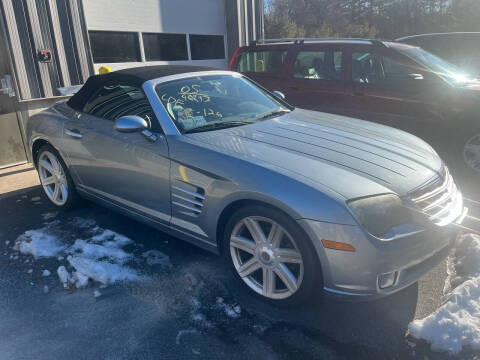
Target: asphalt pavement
x,y
175,314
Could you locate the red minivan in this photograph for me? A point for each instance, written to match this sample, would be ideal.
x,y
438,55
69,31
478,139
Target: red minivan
x,y
396,84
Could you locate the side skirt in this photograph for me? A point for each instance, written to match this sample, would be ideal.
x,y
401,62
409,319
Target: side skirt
x,y
144,218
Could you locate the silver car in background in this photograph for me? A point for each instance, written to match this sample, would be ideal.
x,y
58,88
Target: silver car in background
x,y
295,200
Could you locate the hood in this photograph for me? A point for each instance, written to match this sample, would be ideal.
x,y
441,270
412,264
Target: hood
x,y
473,86
352,157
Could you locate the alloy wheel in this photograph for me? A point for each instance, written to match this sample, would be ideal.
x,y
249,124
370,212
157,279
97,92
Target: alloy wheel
x,y
266,257
53,178
471,152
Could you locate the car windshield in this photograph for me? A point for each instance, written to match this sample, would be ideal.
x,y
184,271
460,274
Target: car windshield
x,y
441,67
205,103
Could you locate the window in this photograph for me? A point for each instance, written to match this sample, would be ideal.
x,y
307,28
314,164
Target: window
x,y
318,65
383,70
113,101
204,47
363,68
165,47
112,47
209,102
261,61
395,69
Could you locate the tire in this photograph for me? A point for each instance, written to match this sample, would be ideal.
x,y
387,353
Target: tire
x,y
289,259
465,164
55,178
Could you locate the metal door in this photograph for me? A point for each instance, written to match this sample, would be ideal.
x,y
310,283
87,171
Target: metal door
x,y
12,150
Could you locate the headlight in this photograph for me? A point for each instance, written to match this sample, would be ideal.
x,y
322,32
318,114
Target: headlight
x,y
378,214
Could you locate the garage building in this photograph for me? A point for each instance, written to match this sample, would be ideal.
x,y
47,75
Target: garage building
x,y
48,45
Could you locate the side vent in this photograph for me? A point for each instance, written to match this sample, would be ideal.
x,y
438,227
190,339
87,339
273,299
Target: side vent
x,y
187,199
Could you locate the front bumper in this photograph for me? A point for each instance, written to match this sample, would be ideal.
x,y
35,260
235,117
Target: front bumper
x,y
356,274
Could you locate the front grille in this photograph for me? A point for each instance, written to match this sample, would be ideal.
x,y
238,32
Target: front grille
x,y
439,199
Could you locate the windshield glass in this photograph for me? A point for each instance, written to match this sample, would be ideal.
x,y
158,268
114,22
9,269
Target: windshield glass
x,y
441,67
206,103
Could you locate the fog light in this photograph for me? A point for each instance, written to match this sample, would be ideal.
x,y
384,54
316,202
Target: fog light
x,y
387,280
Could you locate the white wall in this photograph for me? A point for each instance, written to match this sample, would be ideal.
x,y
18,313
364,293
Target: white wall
x,y
167,16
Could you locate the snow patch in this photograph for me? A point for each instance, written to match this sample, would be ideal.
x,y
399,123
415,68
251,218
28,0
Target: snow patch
x,y
46,273
99,256
49,216
103,271
39,243
233,311
457,322
155,257
63,275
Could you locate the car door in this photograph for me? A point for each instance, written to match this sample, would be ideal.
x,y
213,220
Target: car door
x,y
392,90
127,169
316,78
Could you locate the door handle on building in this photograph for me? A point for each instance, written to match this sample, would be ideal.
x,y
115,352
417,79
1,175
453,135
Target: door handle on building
x,y
74,133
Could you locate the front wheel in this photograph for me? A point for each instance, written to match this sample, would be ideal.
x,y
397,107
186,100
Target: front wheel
x,y
55,178
466,161
271,255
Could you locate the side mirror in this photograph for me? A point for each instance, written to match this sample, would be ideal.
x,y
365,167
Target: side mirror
x,y
279,95
130,124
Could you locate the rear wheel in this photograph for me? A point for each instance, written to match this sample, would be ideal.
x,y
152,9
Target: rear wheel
x,y
271,255
55,178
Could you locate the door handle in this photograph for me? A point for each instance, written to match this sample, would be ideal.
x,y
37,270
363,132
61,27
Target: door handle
x,y
74,133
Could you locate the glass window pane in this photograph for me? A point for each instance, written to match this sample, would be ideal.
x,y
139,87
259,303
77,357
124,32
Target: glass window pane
x,y
113,101
111,47
394,68
199,101
165,46
204,47
261,61
318,65
363,68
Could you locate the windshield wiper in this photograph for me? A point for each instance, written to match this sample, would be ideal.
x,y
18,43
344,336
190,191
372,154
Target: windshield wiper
x,y
273,114
217,125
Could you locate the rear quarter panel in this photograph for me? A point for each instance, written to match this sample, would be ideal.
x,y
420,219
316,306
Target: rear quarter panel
x,y
47,125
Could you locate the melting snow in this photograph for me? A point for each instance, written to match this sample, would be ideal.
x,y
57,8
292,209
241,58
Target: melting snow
x,y
63,275
155,257
39,243
49,216
46,273
103,271
233,311
457,322
98,256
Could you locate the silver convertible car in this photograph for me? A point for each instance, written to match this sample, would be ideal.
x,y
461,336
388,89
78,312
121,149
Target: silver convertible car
x,y
295,200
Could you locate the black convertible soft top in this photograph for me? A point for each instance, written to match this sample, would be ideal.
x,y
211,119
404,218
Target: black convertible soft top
x,y
134,76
